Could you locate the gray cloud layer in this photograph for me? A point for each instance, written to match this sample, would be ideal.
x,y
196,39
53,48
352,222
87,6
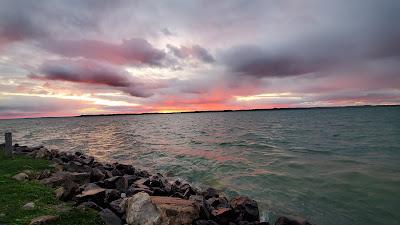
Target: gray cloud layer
x,y
132,51
92,72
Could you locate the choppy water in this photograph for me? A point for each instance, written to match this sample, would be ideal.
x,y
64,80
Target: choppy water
x,y
331,166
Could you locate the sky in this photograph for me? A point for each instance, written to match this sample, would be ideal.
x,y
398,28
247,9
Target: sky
x,y
73,57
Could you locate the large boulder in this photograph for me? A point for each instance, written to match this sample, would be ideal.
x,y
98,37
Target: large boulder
x,y
141,211
176,211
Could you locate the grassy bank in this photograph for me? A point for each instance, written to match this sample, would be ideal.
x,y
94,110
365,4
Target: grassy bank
x,y
14,194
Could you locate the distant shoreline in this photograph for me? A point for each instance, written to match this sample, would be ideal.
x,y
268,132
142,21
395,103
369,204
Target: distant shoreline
x,y
211,111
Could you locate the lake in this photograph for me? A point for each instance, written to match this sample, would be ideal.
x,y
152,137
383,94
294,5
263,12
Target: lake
x,y
334,166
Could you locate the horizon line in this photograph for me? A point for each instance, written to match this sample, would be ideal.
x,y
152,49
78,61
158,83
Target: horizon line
x,y
208,111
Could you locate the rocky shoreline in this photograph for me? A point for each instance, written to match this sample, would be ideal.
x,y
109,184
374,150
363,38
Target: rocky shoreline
x,y
123,194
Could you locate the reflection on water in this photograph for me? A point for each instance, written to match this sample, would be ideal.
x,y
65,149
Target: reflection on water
x,y
332,166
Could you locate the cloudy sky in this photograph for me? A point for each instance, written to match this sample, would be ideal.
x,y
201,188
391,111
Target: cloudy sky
x,y
72,57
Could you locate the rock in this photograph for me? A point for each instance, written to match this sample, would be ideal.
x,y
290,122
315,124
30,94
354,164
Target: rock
x,y
246,209
204,222
43,153
75,166
176,211
43,174
203,206
133,190
159,191
210,193
111,195
20,177
80,178
125,169
109,217
29,206
286,221
142,173
59,192
57,179
141,211
131,179
57,166
220,202
86,160
109,183
189,192
116,172
69,189
154,181
122,183
96,175
90,205
92,193
118,206
263,223
223,215
30,173
42,220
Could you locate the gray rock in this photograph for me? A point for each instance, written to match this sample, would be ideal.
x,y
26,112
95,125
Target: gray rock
x,y
92,193
90,205
109,217
111,195
43,174
97,175
57,179
43,220
141,211
20,177
59,192
43,153
29,206
118,206
80,178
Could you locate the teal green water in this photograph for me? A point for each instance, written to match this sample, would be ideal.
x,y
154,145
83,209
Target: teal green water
x,y
330,166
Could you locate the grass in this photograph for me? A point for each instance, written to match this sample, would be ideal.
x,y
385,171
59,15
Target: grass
x,y
14,194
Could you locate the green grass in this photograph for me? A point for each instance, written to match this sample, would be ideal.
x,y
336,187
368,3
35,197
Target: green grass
x,y
14,194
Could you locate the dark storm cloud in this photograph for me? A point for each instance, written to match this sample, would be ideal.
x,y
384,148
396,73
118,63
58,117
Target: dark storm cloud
x,y
35,20
342,35
132,51
95,73
194,51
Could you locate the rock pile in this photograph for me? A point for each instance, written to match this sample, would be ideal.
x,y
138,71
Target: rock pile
x,y
126,195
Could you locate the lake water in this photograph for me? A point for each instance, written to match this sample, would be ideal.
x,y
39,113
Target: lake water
x,y
331,166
